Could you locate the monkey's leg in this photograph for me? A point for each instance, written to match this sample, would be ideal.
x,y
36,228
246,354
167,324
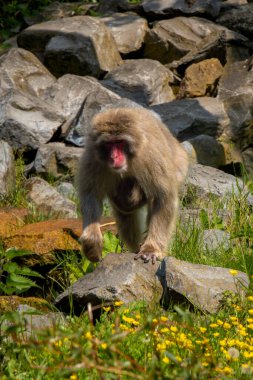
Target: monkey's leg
x,y
91,238
132,227
162,220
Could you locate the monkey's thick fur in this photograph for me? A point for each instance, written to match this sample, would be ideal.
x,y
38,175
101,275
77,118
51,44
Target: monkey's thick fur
x,y
156,165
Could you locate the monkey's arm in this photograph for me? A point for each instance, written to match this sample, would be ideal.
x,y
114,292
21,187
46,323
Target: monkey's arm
x,y
162,220
91,238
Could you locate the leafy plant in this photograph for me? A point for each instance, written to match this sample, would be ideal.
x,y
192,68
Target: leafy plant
x,y
14,279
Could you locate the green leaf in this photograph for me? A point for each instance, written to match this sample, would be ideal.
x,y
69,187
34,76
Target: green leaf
x,y
13,252
11,267
20,283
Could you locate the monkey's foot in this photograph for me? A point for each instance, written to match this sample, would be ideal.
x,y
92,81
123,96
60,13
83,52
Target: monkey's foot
x,y
147,256
91,248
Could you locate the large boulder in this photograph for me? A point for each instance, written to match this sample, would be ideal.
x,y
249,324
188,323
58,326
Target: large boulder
x,y
58,160
172,8
128,30
120,277
236,92
188,118
239,19
22,71
47,200
78,45
145,81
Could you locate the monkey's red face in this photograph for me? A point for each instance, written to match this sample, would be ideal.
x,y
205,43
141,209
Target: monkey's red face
x,y
116,155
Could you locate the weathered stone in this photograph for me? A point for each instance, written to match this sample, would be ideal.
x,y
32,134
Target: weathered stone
x,y
7,169
128,30
205,181
85,97
170,40
11,219
172,8
26,122
144,81
187,118
214,239
205,150
223,44
118,277
78,45
239,19
57,10
236,92
200,79
47,200
193,217
13,303
247,156
202,285
22,71
67,190
58,160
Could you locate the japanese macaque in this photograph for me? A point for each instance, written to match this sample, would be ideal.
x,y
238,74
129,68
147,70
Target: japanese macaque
x,y
132,159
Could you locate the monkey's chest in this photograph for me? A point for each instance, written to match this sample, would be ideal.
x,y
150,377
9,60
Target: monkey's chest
x,y
128,195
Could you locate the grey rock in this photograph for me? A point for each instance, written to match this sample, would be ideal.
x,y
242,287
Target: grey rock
x,y
26,122
224,44
78,45
7,168
170,40
58,160
247,156
67,190
239,19
214,239
193,217
204,181
170,8
85,97
236,92
144,81
188,118
202,285
128,30
205,150
22,71
47,200
118,277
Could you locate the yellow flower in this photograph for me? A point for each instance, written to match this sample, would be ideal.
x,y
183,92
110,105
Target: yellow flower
x,y
220,322
227,370
249,320
173,328
137,316
161,346
202,329
250,311
216,334
88,335
73,377
130,320
104,346
107,308
166,359
154,320
223,342
250,298
118,303
213,325
233,272
164,319
164,330
227,325
205,364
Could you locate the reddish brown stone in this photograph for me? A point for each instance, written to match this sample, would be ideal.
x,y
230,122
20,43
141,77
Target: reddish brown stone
x,y
11,218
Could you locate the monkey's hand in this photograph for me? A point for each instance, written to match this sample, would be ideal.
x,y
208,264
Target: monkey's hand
x,y
149,252
92,244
